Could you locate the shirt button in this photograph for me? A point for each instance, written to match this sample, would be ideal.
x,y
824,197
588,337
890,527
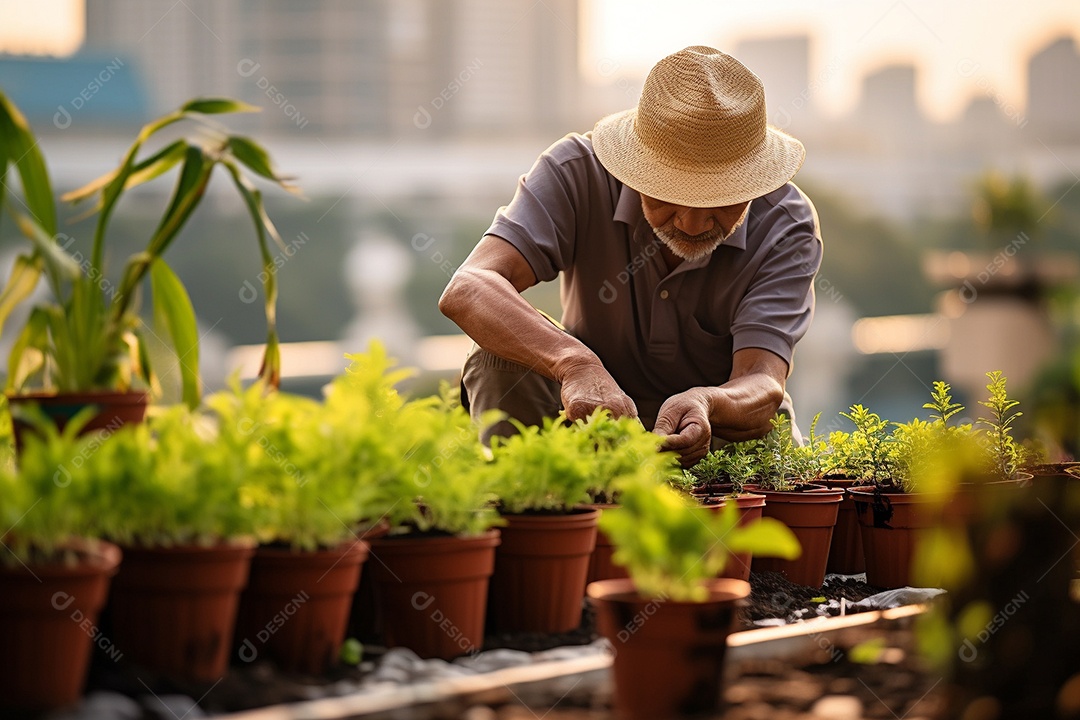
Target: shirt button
x,y
663,294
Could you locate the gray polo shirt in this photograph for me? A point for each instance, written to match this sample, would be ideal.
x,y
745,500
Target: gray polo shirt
x,y
661,333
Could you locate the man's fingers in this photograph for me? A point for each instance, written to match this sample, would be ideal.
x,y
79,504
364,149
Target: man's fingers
x,y
692,458
687,437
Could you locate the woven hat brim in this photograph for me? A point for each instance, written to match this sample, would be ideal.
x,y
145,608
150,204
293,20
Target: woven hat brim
x,y
772,164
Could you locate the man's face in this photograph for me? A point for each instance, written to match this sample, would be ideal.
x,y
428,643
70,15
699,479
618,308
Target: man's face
x,y
690,232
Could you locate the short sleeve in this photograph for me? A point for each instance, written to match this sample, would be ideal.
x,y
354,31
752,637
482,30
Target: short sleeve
x,y
541,219
778,306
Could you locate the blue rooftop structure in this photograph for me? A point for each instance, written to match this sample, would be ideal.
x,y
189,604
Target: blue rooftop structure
x,y
85,90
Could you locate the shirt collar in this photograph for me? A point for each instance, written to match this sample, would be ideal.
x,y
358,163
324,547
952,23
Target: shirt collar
x,y
628,211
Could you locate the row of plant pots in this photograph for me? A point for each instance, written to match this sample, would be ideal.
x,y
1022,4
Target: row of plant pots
x,y
186,611
859,501
263,483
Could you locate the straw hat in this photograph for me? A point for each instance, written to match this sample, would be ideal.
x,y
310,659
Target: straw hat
x,y
699,135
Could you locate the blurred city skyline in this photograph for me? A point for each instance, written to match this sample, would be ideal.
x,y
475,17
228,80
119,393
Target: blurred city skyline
x,y
849,39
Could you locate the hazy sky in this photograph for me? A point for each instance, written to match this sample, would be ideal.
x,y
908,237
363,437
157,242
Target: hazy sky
x,y
960,47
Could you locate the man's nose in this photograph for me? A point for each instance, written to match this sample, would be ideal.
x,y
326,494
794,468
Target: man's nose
x,y
694,221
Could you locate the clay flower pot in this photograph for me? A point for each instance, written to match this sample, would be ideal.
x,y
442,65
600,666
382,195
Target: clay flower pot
x,y
811,515
669,656
296,605
890,525
751,506
540,572
174,608
601,567
48,623
432,591
115,409
846,554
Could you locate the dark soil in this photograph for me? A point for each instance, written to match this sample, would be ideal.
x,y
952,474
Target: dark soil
x,y
773,596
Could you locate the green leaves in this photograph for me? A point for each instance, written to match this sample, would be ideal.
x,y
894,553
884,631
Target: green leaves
x,y
19,147
670,546
560,465
941,402
174,313
91,343
1006,454
217,106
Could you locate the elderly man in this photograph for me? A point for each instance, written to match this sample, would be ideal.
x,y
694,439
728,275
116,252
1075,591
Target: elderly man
x,y
687,259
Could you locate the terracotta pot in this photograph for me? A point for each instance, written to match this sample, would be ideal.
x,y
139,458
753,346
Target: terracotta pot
x,y
48,623
174,608
811,515
432,591
115,410
669,656
601,566
751,506
296,605
364,622
846,553
540,571
891,525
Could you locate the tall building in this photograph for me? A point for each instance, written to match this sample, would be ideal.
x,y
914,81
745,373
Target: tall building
x,y
357,67
1054,92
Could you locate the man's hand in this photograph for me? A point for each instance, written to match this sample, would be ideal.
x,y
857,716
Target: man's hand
x,y
683,420
587,386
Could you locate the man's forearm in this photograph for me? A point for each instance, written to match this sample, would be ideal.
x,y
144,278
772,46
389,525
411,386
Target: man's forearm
x,y
491,311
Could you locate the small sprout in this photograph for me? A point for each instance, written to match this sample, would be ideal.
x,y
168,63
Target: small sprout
x,y
941,402
352,652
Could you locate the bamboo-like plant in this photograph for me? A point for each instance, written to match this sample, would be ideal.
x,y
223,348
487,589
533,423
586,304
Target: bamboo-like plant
x,y
89,335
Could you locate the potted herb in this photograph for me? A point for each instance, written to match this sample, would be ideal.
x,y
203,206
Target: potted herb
x,y
309,561
722,476
837,455
54,575
178,502
432,577
669,623
85,345
543,479
622,445
895,510
785,472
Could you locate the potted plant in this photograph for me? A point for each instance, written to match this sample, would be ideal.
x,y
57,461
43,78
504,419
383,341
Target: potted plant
x,y
621,445
432,570
888,513
179,504
86,343
669,623
720,478
785,472
306,569
899,507
54,575
543,478
838,453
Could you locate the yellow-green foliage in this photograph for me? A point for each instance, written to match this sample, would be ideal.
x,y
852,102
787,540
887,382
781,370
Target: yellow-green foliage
x,y
670,545
557,466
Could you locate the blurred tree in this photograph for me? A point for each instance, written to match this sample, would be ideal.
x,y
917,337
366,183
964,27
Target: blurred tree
x,y
1005,207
